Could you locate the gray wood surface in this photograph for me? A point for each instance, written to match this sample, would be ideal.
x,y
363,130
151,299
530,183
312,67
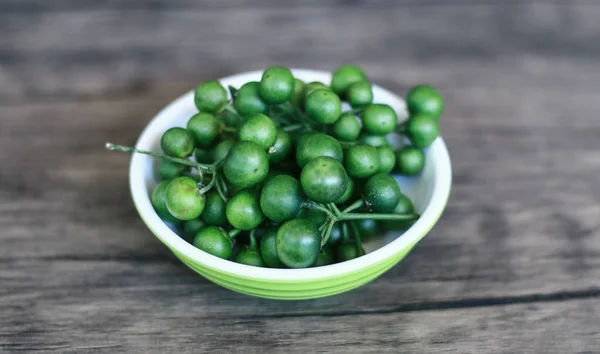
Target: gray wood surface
x,y
513,266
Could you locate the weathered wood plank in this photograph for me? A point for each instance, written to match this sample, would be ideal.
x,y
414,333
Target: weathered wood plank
x,y
104,326
112,52
20,6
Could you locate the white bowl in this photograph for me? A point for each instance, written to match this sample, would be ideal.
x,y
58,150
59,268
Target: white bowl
x,y
429,192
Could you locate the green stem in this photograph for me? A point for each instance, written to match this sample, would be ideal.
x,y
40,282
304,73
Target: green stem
x,y
233,233
357,204
324,225
347,144
356,235
229,108
293,127
209,186
227,129
222,188
345,231
302,118
207,168
334,209
328,206
325,235
312,205
233,91
253,239
361,216
280,119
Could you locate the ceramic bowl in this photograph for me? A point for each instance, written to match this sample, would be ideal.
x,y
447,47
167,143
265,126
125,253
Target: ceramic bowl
x,y
429,192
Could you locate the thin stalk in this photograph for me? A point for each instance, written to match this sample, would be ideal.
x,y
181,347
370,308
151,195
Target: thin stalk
x,y
327,233
293,127
313,205
324,225
253,239
347,144
345,231
356,235
199,166
357,204
222,188
227,129
334,209
208,187
361,216
233,233
229,108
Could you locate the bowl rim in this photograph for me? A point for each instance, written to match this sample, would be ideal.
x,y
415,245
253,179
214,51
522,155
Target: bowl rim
x,y
141,198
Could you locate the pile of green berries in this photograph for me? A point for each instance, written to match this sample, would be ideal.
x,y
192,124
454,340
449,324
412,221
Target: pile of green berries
x,y
280,177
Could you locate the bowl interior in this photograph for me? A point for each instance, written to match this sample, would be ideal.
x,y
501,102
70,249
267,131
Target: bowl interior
x,y
429,191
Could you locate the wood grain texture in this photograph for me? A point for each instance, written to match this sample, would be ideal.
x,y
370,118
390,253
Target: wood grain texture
x,y
512,266
116,52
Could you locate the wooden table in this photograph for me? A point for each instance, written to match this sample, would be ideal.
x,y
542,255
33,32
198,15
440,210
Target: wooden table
x,y
513,266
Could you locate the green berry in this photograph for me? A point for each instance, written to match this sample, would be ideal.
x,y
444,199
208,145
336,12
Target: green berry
x,y
348,193
222,149
191,228
324,180
183,201
313,86
373,140
159,202
169,170
347,251
243,210
323,106
282,146
210,96
426,100
177,142
203,155
324,258
204,127
359,94
259,129
336,235
214,210
316,217
410,160
368,228
298,96
314,145
347,128
276,85
214,240
281,198
249,256
298,243
404,206
268,249
248,101
361,161
381,193
246,165
379,119
345,76
387,158
422,130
